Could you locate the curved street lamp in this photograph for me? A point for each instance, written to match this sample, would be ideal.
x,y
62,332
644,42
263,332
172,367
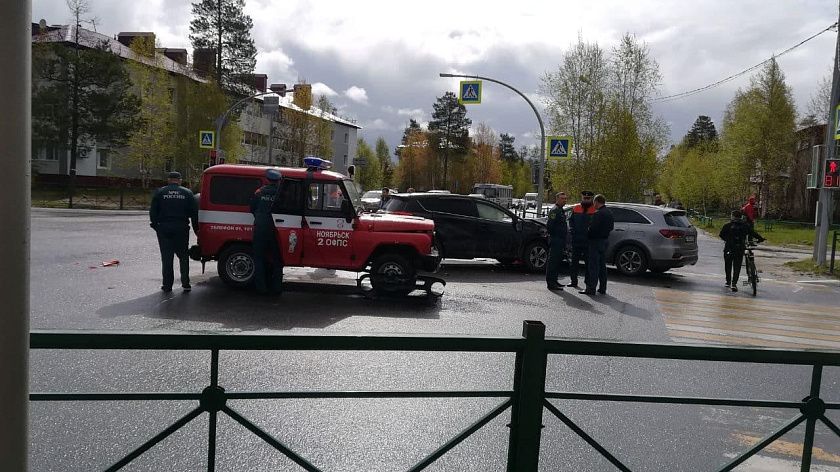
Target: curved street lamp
x,y
222,120
542,130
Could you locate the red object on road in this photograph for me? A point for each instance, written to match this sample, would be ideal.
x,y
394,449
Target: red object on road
x,y
110,263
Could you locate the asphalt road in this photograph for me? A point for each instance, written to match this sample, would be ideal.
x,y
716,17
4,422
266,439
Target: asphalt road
x,y
71,290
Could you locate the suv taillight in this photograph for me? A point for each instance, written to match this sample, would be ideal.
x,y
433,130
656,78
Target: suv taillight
x,y
672,233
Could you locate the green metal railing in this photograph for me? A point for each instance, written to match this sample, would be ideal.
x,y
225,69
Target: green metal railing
x,y
527,400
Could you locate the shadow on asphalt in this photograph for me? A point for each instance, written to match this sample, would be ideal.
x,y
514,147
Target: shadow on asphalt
x,y
301,305
487,272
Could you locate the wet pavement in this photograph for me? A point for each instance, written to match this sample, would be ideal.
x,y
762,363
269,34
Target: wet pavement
x,y
72,290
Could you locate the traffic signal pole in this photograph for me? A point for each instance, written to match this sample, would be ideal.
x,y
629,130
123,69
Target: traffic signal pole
x,y
15,152
825,205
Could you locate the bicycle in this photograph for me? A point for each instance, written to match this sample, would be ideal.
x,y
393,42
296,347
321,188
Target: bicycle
x,y
752,272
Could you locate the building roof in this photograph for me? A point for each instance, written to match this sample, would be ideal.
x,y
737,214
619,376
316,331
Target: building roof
x,y
89,39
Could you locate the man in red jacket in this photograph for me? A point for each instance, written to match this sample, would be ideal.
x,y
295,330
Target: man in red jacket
x,y
749,211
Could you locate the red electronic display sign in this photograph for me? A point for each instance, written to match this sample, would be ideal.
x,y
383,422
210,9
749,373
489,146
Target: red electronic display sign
x,y
832,174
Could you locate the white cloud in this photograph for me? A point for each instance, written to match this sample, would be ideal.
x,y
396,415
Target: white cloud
x,y
319,88
378,124
278,66
365,42
357,94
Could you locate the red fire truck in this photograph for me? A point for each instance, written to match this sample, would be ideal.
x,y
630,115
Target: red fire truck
x,y
319,221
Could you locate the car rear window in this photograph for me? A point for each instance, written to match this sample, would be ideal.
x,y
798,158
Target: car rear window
x,y
453,206
403,205
678,219
227,190
623,215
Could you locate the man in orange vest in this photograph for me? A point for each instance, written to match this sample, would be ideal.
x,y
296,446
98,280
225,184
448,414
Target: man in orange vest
x,y
579,223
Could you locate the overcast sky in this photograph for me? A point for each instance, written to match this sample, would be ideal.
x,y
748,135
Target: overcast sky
x,y
378,62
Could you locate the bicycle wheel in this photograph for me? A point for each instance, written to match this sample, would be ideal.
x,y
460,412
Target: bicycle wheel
x,y
752,275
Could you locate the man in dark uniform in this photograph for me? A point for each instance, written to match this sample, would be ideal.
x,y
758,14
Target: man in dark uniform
x,y
733,234
600,227
579,222
266,247
173,207
556,240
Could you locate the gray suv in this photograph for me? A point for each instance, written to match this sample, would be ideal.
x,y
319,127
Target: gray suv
x,y
648,237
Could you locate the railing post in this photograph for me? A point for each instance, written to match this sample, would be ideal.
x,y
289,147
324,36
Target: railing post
x,y
813,410
217,394
529,393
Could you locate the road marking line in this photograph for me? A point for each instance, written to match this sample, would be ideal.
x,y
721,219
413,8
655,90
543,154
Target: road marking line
x,y
750,328
755,321
814,343
735,340
725,301
780,446
827,318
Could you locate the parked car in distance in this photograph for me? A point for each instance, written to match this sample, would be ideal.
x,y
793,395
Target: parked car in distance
x,y
468,228
518,203
648,237
370,200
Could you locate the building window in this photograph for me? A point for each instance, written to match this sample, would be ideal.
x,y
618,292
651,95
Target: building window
x,y
48,153
103,160
346,138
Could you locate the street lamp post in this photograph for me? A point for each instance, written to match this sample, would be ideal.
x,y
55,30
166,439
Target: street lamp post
x,y
542,131
222,120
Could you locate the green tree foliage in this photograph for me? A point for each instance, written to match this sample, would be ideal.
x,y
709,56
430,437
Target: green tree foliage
x,y
80,97
507,151
302,131
369,177
449,131
702,132
603,102
152,143
198,105
324,128
383,154
223,26
759,132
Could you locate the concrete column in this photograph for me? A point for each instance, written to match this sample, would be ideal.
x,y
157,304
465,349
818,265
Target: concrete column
x,y
15,154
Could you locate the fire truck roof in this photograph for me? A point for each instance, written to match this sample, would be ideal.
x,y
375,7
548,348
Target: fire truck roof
x,y
259,171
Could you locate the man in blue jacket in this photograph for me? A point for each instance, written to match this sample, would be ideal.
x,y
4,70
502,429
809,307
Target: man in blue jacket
x,y
557,230
600,227
173,207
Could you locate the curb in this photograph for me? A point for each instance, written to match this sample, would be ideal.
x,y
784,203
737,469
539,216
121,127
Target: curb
x,y
85,211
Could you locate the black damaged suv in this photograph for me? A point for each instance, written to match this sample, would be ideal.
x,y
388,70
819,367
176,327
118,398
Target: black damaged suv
x,y
469,227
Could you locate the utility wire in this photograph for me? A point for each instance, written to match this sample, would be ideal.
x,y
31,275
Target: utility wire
x,y
739,74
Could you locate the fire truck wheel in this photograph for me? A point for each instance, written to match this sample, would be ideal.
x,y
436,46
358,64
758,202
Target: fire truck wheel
x,y
395,269
236,266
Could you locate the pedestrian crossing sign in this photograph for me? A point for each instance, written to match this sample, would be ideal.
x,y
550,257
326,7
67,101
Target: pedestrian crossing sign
x,y
206,139
470,92
559,148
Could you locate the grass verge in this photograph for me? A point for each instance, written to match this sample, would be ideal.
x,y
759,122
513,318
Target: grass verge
x,y
806,266
782,235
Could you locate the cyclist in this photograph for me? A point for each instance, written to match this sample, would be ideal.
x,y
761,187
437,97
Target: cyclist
x,y
734,235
